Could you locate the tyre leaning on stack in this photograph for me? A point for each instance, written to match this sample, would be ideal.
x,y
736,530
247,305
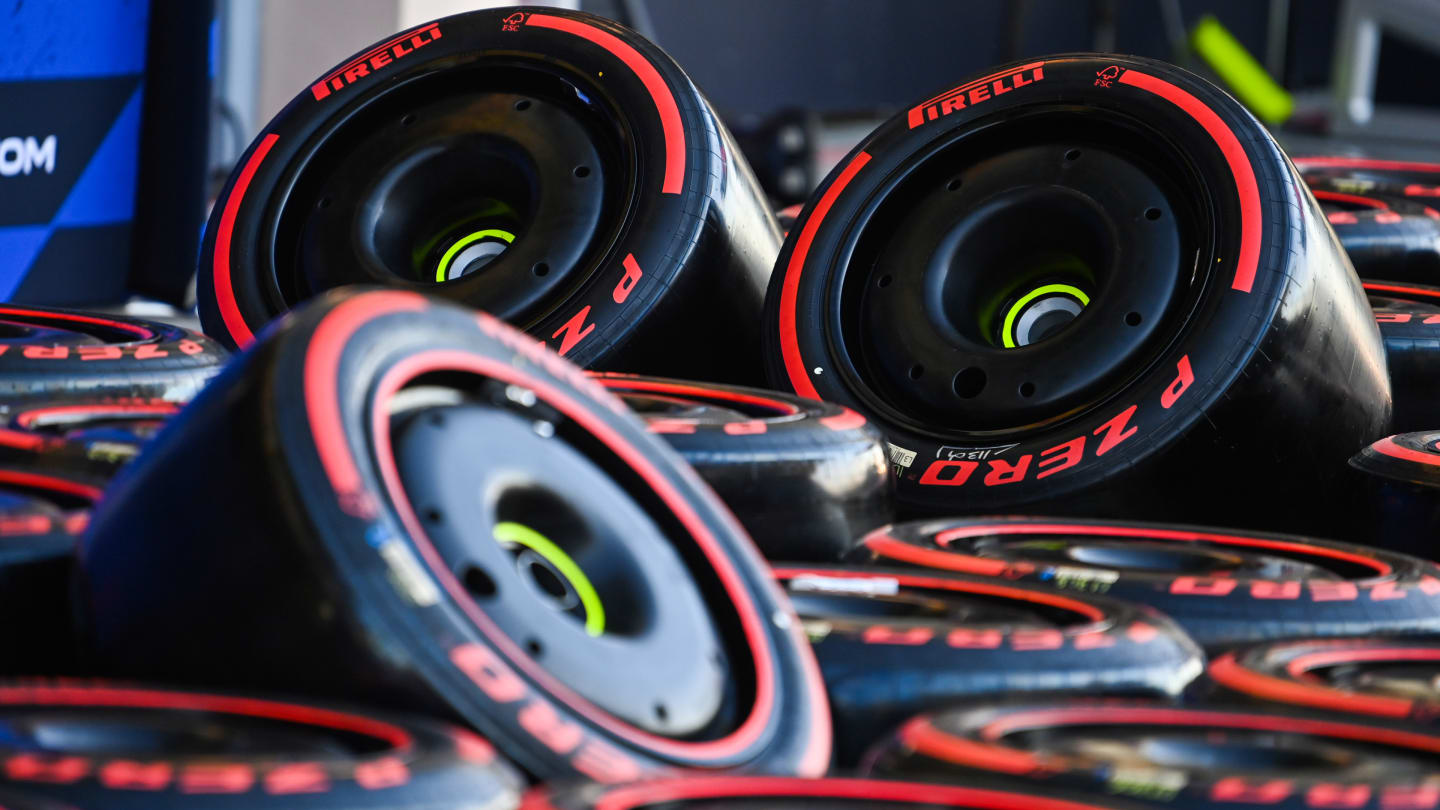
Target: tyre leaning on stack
x,y
1135,353
550,167
595,612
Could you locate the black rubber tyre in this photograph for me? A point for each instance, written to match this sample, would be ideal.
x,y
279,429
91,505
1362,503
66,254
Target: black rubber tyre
x,y
1405,178
1167,200
91,438
804,477
1385,236
778,793
1401,477
1173,757
638,236
1392,293
98,745
53,354
894,643
1394,678
351,555
1223,587
1411,332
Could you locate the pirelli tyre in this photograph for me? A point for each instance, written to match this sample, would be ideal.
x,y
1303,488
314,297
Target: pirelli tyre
x,y
594,610
1400,294
1222,586
1166,756
1062,281
1387,677
894,643
550,167
113,746
50,354
804,477
1410,179
1411,332
779,793
1384,236
91,438
1401,478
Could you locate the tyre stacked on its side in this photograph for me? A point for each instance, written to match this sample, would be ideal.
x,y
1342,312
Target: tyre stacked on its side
x,y
1401,475
894,643
1224,587
805,478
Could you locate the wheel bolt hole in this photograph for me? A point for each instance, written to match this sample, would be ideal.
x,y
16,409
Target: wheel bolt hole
x,y
1133,319
582,171
661,713
1027,389
917,371
540,269
953,185
434,516
323,203
535,648
1073,154
523,104
1152,214
477,582
407,119
969,383
883,281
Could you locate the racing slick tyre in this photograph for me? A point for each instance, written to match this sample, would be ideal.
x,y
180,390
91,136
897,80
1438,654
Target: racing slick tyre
x,y
1401,475
1395,294
1411,332
451,518
127,748
894,643
1223,587
1390,677
1384,236
778,793
50,354
805,478
1085,280
1395,178
546,166
1174,757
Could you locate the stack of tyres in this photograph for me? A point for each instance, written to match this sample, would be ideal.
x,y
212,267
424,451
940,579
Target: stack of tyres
x,y
1223,587
79,394
1384,213
1402,483
1072,284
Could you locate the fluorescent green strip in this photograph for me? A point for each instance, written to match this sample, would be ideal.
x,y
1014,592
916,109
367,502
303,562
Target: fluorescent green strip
x,y
468,239
1007,331
1245,76
520,534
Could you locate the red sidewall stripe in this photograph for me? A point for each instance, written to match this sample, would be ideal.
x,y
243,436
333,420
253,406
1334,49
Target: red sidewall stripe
x,y
38,315
1336,162
50,483
112,697
795,366
1251,220
1353,199
670,123
623,384
1387,446
1229,673
28,418
1380,567
633,797
1375,286
224,286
